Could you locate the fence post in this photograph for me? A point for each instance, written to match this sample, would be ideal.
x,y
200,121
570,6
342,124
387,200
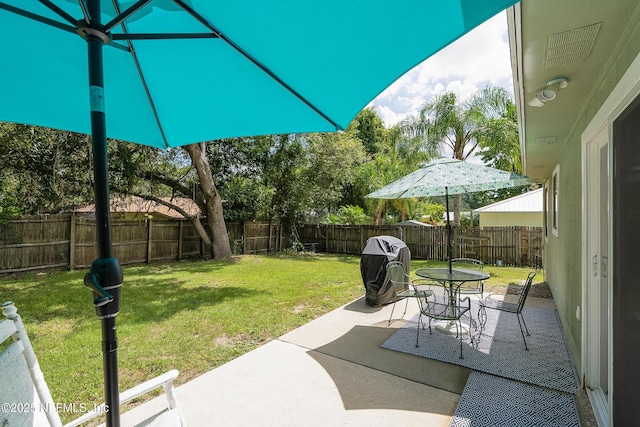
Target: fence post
x,y
148,241
326,238
269,243
244,236
180,238
72,242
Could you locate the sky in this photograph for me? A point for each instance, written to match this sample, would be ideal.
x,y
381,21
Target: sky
x,y
478,59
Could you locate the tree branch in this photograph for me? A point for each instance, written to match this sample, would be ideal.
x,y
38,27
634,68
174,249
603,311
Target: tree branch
x,y
169,182
193,218
451,143
471,151
176,186
165,203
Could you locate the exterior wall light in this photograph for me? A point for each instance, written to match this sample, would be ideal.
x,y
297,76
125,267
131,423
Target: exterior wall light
x,y
549,92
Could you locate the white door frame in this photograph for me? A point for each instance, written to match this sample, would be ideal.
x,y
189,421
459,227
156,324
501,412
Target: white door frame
x,y
600,129
594,306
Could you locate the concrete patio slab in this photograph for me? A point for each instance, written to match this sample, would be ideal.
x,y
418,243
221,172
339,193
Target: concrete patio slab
x,y
331,371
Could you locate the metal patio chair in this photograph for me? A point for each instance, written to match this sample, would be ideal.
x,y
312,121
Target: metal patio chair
x,y
508,307
451,308
404,288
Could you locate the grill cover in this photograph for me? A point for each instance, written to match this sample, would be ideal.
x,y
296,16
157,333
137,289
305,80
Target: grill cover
x,y
377,253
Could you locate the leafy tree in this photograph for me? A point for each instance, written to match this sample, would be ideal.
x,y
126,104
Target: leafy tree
x,y
285,173
287,177
46,171
483,121
308,172
29,160
238,166
348,215
500,145
465,221
332,159
428,211
245,198
375,174
370,130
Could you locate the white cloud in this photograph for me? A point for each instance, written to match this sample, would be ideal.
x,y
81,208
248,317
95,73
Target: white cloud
x,y
474,61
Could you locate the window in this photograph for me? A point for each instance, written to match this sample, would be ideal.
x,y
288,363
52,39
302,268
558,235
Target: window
x,y
555,190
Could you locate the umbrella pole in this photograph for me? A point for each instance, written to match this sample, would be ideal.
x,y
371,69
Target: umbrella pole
x,y
105,276
449,245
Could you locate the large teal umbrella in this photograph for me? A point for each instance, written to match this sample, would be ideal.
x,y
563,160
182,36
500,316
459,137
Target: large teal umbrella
x,y
442,177
169,73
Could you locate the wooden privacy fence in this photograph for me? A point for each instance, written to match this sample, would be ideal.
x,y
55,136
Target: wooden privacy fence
x,y
511,245
68,241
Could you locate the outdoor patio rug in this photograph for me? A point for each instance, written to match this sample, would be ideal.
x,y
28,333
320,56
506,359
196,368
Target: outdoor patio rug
x,y
490,401
501,351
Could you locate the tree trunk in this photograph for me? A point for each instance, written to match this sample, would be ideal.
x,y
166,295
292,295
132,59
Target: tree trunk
x,y
220,247
457,198
457,201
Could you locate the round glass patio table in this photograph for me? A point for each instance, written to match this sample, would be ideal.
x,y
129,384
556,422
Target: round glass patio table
x,y
457,276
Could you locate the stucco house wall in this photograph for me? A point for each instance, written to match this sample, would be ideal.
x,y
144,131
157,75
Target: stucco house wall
x,y
510,219
563,253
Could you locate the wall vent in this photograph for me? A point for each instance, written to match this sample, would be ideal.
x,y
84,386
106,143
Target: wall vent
x,y
570,47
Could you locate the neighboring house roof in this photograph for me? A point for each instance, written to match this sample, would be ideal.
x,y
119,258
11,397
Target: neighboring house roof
x,y
413,222
527,202
133,204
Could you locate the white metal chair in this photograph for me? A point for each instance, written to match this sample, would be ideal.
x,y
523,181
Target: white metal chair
x,y
25,395
467,288
404,287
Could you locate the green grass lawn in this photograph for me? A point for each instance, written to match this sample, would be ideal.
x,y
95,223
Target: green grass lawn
x,y
191,315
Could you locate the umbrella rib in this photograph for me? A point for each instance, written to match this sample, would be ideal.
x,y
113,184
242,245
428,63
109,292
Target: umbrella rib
x,y
264,68
64,15
119,46
162,36
38,18
144,82
124,15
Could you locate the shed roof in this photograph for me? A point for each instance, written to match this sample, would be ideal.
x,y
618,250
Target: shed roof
x,y
528,202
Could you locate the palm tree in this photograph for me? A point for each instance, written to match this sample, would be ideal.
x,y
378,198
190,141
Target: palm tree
x,y
481,122
396,156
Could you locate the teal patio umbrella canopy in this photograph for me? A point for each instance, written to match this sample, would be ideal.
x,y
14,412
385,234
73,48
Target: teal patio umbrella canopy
x,y
180,72
442,177
169,73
